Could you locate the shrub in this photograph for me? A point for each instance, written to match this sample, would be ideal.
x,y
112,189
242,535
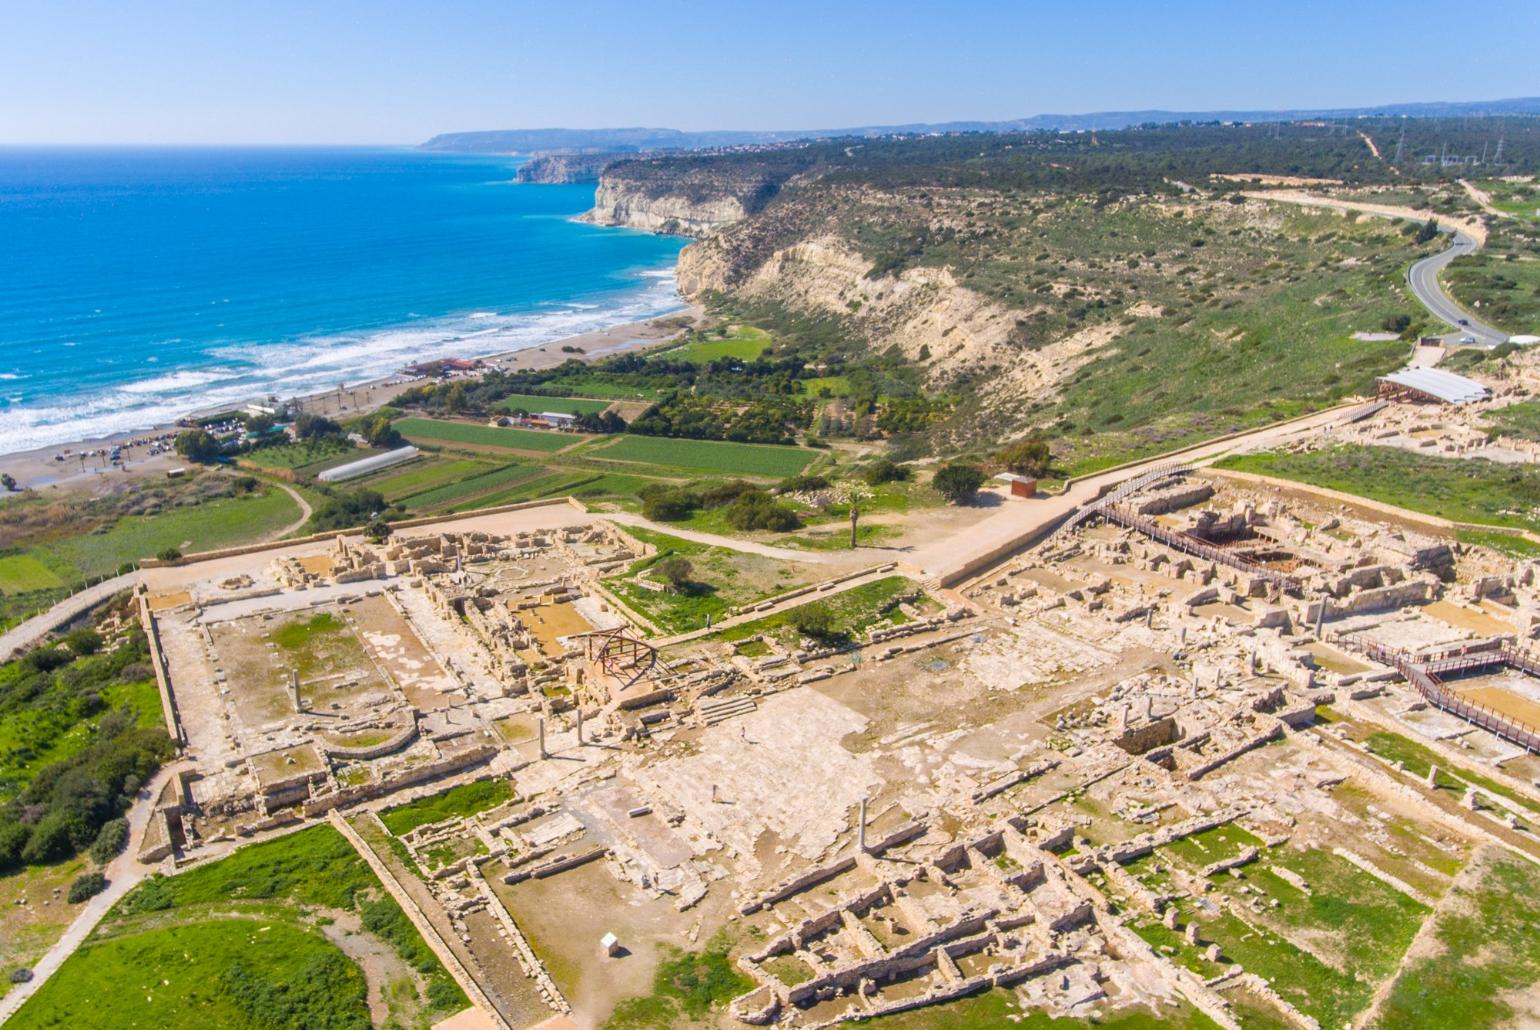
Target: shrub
x,y
814,620
757,510
168,554
668,504
83,641
1029,457
676,571
377,531
884,471
958,483
798,484
110,841
726,493
87,885
13,838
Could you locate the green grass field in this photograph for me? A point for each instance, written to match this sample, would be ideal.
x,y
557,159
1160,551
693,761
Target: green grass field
x,y
238,943
223,972
20,573
1490,960
463,800
852,611
743,342
1464,490
1521,420
486,482
432,430
421,476
223,523
534,403
744,459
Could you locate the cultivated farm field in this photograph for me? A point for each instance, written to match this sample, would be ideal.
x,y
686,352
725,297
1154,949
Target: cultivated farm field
x,y
745,459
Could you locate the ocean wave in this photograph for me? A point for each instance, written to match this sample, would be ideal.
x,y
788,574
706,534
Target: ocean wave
x,y
248,372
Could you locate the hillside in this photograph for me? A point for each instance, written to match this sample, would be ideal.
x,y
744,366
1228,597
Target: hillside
x,y
1112,288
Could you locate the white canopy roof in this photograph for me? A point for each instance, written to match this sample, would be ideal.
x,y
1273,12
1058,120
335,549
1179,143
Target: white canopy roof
x,y
1446,386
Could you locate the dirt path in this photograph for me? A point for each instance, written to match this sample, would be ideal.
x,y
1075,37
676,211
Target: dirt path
x,y
1483,199
297,524
1369,142
1470,226
731,543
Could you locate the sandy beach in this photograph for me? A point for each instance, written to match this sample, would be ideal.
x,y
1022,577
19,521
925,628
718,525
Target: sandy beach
x,y
85,463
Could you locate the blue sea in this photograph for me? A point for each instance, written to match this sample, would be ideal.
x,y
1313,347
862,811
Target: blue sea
x,y
137,285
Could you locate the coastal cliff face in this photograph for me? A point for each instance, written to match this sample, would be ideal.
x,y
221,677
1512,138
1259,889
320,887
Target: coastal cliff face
x,y
683,195
560,169
623,204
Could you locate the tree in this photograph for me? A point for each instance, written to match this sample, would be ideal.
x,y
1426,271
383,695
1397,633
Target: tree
x,y
817,622
1029,457
957,482
311,427
8,481
199,445
676,572
377,531
1428,231
380,433
667,503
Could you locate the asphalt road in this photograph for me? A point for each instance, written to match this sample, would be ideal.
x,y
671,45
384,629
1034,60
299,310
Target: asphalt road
x,y
1422,277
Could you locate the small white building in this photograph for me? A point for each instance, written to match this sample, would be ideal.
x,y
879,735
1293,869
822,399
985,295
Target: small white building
x,y
557,418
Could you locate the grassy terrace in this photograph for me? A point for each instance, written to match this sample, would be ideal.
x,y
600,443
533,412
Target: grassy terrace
x,y
739,342
456,802
850,611
746,459
1463,490
439,431
247,941
535,403
1490,928
720,579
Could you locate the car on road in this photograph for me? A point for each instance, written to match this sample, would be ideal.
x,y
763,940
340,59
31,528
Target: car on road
x,y
1467,339
1464,321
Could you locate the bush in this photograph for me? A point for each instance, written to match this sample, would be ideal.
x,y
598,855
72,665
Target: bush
x,y
168,554
87,885
110,841
1029,457
721,496
377,531
884,471
815,621
799,484
676,572
49,840
757,510
347,510
667,504
83,641
13,838
958,483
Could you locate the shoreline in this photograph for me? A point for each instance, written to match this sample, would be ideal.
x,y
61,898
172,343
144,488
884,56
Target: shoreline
x,y
37,468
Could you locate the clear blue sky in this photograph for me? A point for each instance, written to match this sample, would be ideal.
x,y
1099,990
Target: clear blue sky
x,y
272,71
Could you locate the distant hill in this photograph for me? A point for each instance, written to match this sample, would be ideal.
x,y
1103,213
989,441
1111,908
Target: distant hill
x,y
633,140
